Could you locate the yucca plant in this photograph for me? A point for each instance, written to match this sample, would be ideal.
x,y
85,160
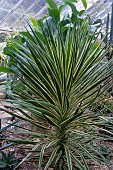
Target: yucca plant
x,y
62,76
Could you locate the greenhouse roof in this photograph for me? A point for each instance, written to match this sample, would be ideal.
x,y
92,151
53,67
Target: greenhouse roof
x,y
15,13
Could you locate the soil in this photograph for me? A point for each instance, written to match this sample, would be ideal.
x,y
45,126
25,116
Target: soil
x,y
20,152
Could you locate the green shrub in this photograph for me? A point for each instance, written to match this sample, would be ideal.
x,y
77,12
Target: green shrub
x,y
8,161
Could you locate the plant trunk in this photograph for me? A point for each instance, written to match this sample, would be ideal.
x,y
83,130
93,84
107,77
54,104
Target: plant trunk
x,y
61,162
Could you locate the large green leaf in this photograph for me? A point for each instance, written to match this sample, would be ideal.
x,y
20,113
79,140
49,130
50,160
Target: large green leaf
x,y
5,69
54,13
52,4
34,22
73,8
84,3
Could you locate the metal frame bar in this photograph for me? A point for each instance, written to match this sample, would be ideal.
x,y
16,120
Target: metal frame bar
x,y
3,2
41,11
24,14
